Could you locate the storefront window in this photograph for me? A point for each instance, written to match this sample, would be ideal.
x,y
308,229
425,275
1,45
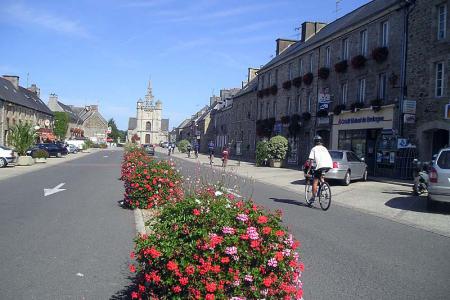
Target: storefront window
x,y
353,140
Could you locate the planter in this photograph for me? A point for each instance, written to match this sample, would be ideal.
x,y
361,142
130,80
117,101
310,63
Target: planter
x,y
287,85
356,106
359,61
260,94
275,163
380,54
323,73
308,78
25,161
297,81
341,66
338,109
274,90
40,160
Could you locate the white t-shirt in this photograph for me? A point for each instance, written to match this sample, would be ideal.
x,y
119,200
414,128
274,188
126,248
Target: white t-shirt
x,y
321,156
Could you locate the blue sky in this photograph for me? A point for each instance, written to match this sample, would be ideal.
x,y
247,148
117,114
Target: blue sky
x,y
103,52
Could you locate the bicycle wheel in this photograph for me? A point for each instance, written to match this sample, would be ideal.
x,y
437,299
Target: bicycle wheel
x,y
308,191
324,195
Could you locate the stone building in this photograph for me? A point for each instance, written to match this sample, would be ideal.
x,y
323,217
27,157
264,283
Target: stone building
x,y
84,122
428,80
147,126
22,105
341,80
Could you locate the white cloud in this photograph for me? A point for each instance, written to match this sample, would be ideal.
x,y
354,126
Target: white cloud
x,y
26,15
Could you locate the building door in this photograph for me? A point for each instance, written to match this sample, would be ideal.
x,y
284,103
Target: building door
x,y
147,138
440,140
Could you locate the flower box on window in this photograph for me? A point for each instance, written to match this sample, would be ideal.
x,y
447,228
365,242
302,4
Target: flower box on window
x,y
359,61
341,66
287,85
260,93
355,106
297,81
338,109
376,104
308,78
266,91
323,73
380,54
274,89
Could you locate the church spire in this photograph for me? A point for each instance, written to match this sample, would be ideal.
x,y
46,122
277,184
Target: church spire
x,y
149,97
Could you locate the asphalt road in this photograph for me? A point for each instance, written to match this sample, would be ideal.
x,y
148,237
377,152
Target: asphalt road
x,y
74,244
349,254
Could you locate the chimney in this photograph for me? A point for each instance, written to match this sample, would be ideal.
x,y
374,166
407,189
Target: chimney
x,y
282,45
309,29
251,74
33,88
53,102
13,79
93,107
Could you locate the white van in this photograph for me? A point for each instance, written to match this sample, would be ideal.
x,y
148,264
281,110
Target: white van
x,y
78,143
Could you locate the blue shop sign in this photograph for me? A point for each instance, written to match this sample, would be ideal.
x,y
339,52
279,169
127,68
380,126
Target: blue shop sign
x,y
361,120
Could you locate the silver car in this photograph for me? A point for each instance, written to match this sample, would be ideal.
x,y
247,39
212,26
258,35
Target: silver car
x,y
347,166
439,179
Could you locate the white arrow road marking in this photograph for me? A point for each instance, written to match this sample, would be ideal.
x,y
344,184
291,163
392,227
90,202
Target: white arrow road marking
x,y
56,189
105,155
80,274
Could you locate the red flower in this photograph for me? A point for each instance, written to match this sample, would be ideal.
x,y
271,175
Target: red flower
x,y
176,289
244,236
254,244
279,233
134,295
132,255
267,281
267,230
196,212
211,287
262,220
209,297
225,260
190,270
215,269
141,288
279,256
184,280
172,266
132,268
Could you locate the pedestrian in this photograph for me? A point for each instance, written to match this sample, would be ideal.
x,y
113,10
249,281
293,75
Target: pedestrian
x,y
211,152
225,153
196,148
189,148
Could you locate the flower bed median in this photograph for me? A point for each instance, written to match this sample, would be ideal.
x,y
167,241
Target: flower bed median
x,y
209,245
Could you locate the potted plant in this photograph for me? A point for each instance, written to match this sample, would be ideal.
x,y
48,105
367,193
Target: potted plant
x,y
266,91
306,116
285,120
261,153
40,156
308,78
297,81
323,113
323,73
274,89
260,94
376,104
277,147
380,54
341,66
355,106
338,109
22,137
287,85
359,61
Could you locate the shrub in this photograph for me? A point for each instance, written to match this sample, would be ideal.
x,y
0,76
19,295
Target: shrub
x,y
323,73
262,152
308,78
380,54
211,246
88,143
297,81
103,146
182,146
341,66
278,146
338,109
287,85
22,137
359,61
40,153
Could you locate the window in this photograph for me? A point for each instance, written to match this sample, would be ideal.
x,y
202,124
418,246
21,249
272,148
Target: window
x,y
442,21
309,102
362,90
344,93
276,77
290,71
328,57
263,78
439,79
261,109
289,105
300,67
311,62
298,104
363,42
345,49
384,34
444,160
382,84
274,109
270,79
267,109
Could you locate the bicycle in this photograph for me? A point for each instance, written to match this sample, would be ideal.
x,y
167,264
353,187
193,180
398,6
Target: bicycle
x,y
211,155
323,190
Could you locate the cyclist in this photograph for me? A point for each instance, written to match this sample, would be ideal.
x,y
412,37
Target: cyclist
x,y
211,152
189,148
196,148
320,155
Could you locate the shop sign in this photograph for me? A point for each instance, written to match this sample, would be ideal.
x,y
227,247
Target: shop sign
x,y
409,119
409,107
447,111
238,147
324,100
404,143
360,120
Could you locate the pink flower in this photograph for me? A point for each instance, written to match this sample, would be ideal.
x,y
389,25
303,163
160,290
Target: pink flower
x,y
228,230
242,217
252,233
231,250
272,262
248,278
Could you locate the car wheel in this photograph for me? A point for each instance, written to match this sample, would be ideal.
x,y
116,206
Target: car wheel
x,y
347,179
58,154
3,162
430,203
364,178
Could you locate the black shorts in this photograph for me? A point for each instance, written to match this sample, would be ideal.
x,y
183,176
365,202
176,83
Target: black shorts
x,y
319,172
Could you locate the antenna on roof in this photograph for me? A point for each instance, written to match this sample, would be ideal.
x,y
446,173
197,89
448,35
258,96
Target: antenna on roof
x,y
28,75
299,32
337,7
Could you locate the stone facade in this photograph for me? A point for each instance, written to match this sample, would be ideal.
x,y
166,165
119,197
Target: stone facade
x,y
425,51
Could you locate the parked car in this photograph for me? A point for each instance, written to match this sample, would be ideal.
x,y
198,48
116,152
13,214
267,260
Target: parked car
x,y
52,149
72,149
7,156
164,144
439,179
149,149
347,166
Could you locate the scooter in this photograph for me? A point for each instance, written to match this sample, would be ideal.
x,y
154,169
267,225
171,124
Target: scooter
x,y
420,177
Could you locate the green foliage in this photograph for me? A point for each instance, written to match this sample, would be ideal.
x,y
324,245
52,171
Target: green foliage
x,y
88,143
61,124
182,146
262,152
278,146
22,137
40,153
115,134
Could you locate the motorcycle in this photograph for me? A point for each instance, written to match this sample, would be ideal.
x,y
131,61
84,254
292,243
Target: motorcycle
x,y
420,177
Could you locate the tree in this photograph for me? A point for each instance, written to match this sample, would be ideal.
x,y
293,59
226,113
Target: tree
x,y
22,137
61,124
115,134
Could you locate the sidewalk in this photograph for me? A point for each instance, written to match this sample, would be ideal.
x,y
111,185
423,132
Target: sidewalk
x,y
380,197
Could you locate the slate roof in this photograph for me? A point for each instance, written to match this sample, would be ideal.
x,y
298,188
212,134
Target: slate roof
x,y
252,86
73,115
23,97
356,16
132,123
